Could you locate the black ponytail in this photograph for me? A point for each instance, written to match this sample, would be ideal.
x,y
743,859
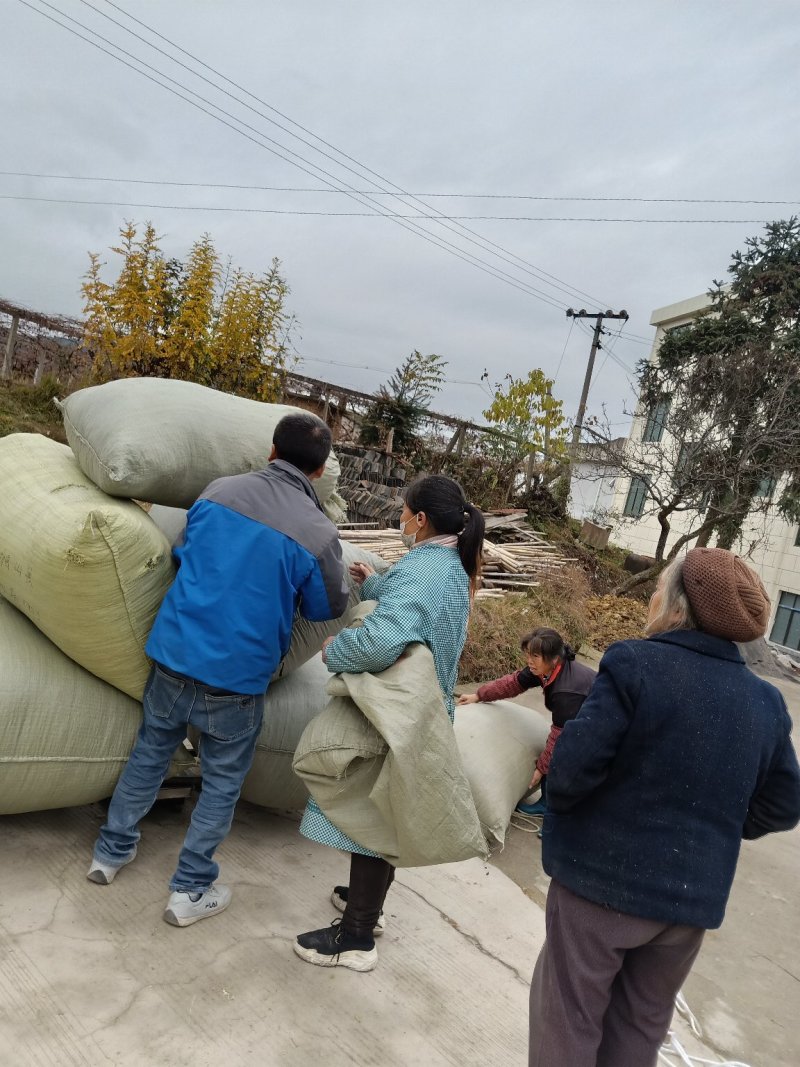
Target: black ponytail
x,y
470,544
442,500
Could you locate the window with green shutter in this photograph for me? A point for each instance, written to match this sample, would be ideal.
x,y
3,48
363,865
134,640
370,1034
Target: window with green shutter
x,y
637,494
656,421
786,628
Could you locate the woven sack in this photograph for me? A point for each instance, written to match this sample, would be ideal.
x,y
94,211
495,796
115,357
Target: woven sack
x,y
164,441
90,571
290,705
65,736
499,745
307,637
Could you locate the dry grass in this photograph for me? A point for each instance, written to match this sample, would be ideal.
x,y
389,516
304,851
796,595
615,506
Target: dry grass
x,y
30,409
495,626
564,602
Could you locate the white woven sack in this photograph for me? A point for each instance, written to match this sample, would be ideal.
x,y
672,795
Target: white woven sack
x,y
499,745
65,736
90,571
307,637
164,441
291,704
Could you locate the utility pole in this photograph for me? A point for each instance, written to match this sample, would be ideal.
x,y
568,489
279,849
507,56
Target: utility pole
x,y
598,316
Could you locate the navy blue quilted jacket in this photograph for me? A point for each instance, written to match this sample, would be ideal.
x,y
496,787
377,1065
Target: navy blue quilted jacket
x,y
678,752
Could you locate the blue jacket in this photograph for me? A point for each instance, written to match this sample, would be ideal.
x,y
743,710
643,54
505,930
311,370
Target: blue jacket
x,y
256,547
423,597
678,752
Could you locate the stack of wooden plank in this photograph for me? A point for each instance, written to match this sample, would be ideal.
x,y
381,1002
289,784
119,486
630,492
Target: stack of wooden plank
x,y
384,543
515,556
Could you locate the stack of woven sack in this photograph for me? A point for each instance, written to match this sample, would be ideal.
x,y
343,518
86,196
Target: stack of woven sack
x,y
84,568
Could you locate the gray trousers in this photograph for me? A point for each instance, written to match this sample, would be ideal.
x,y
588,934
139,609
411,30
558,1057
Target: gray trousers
x,y
604,986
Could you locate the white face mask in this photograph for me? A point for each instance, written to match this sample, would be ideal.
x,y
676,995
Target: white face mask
x,y
409,540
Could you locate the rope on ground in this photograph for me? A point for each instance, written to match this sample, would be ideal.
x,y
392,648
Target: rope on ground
x,y
672,1048
529,824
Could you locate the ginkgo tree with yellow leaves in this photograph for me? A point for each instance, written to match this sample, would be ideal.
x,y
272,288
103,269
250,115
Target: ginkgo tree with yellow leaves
x,y
199,320
529,416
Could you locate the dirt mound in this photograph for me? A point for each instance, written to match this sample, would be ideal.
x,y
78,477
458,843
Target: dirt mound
x,y
614,618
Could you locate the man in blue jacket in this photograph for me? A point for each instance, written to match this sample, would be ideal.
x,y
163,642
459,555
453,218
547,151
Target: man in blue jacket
x,y
257,546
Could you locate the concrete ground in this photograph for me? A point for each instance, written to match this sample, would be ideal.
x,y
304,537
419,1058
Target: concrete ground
x,y
745,986
91,975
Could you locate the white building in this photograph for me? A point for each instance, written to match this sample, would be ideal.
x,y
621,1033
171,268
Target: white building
x,y
768,542
593,484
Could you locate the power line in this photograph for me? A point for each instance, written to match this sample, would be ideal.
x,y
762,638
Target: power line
x,y
260,138
381,192
442,243
482,242
608,350
333,214
628,371
382,370
636,338
564,349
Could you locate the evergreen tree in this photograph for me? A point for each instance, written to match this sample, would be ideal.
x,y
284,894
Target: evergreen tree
x,y
400,405
732,383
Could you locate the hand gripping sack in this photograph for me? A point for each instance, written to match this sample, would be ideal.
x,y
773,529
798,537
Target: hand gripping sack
x,y
163,441
90,571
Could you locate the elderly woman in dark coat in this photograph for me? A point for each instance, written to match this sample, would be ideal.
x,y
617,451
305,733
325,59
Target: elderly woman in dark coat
x,y
678,753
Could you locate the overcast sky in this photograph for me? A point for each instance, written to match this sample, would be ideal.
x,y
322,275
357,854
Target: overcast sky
x,y
638,99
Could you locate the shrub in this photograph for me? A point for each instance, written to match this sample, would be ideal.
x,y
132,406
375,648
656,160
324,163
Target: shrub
x,y
495,626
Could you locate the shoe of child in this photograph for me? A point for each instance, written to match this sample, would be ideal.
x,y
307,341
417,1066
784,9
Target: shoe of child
x,y
539,808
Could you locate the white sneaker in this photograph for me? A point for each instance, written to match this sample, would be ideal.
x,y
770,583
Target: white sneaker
x,y
339,901
182,910
102,874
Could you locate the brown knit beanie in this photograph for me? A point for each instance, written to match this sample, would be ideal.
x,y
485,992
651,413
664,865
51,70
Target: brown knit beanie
x,y
726,596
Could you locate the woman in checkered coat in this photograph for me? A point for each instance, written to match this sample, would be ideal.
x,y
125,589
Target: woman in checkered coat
x,y
425,597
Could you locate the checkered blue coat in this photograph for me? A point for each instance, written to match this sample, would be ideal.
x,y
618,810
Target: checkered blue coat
x,y
423,598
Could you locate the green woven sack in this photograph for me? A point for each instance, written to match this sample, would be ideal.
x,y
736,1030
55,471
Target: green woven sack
x,y
90,571
163,440
64,735
290,705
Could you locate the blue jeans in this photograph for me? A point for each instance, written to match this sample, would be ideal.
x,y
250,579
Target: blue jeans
x,y
229,725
